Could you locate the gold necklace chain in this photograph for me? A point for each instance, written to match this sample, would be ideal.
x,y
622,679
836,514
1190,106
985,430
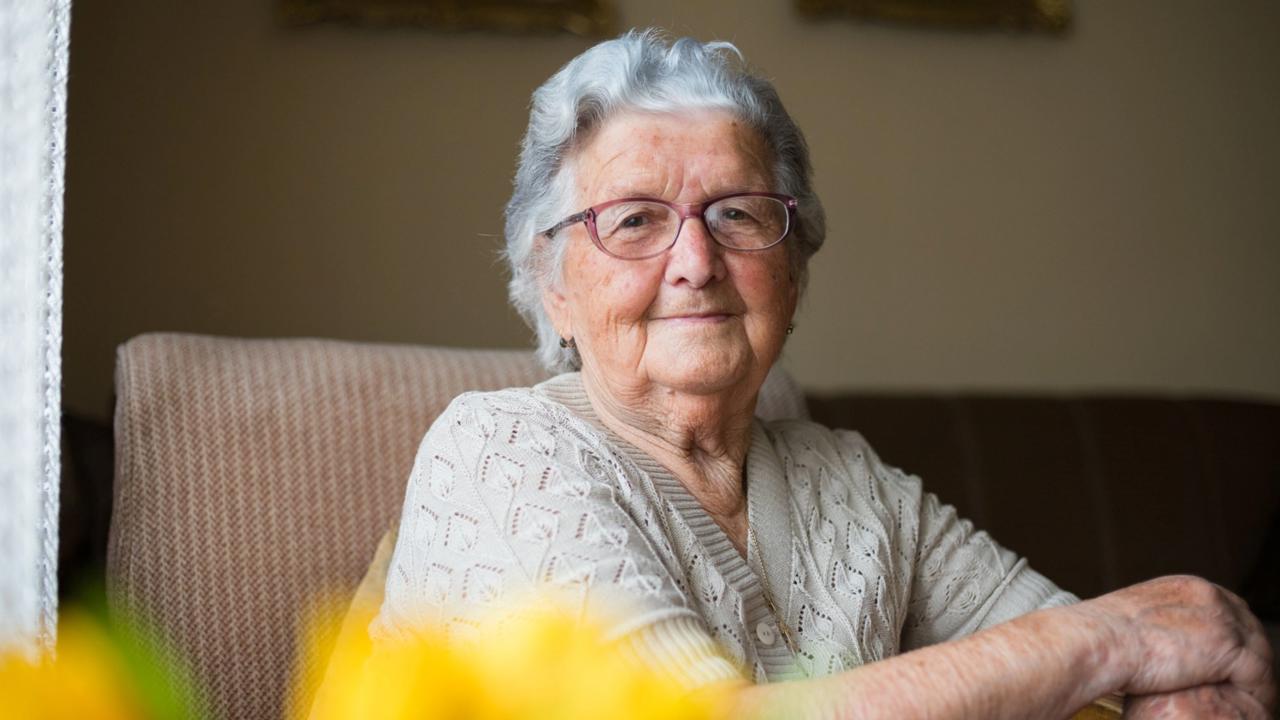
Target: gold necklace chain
x,y
783,628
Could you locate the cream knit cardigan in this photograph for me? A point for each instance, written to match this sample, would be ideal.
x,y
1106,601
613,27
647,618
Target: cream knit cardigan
x,y
525,488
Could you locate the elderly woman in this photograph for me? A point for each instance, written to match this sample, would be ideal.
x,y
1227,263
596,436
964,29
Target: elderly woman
x,y
659,236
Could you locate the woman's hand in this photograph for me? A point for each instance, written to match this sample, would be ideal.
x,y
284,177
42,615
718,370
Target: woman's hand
x,y
1207,702
1189,644
1182,647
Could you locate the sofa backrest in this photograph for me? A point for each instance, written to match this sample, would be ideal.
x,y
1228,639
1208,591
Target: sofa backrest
x,y
1098,492
255,476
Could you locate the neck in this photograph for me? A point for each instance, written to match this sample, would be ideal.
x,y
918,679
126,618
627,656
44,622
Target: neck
x,y
701,438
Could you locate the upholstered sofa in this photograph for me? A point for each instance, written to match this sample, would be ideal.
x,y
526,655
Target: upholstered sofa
x,y
253,476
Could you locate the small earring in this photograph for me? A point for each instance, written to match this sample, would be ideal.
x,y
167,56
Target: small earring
x,y
567,343
790,328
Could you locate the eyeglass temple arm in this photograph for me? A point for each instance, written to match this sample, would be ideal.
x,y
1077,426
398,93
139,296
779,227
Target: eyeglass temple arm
x,y
571,220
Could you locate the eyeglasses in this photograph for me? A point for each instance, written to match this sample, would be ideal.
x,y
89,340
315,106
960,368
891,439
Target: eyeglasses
x,y
639,228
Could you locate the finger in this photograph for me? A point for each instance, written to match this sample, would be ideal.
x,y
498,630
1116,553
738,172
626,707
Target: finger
x,y
1207,702
1244,703
1148,707
1249,620
1251,671
1257,641
1166,706
1253,668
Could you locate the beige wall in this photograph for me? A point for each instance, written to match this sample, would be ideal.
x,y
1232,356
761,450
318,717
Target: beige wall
x,y
1095,211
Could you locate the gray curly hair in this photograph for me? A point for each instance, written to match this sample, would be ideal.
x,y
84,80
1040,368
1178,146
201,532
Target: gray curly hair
x,y
639,71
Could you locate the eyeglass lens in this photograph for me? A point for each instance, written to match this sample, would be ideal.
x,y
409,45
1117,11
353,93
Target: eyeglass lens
x,y
639,229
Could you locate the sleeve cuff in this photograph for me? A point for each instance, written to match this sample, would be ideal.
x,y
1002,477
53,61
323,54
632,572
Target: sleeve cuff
x,y
1024,591
680,649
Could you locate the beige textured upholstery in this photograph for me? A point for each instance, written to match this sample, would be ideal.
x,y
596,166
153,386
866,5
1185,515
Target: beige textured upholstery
x,y
252,476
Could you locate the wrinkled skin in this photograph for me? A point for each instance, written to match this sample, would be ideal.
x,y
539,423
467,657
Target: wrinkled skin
x,y
1210,702
1191,649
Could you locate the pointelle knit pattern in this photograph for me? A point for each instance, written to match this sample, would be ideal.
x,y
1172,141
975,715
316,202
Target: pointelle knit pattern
x,y
525,489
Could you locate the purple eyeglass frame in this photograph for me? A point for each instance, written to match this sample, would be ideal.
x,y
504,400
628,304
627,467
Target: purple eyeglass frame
x,y
683,210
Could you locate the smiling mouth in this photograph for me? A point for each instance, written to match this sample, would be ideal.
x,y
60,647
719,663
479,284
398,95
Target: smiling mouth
x,y
698,317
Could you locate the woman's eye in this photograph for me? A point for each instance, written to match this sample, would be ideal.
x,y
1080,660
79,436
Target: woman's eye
x,y
736,215
633,221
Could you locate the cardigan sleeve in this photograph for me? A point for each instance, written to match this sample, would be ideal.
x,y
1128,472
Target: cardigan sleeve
x,y
964,581
504,504
961,579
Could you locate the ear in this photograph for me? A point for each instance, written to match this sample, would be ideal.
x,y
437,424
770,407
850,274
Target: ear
x,y
557,307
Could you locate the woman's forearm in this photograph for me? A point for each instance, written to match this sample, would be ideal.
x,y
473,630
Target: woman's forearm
x,y
1158,638
1042,665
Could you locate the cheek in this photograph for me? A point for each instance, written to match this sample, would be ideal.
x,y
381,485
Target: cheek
x,y
616,295
769,288
778,278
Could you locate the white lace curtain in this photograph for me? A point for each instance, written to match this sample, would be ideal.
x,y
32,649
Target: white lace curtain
x,y
33,102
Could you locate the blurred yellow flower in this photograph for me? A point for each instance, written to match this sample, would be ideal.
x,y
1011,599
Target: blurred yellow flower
x,y
544,664
539,663
99,671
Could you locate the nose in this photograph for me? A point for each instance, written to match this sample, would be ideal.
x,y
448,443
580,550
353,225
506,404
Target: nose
x,y
695,258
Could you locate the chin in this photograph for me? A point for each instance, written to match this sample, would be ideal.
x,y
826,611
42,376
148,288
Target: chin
x,y
701,371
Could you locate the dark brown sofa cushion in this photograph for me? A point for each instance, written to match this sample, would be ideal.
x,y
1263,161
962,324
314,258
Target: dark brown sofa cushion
x,y
1099,492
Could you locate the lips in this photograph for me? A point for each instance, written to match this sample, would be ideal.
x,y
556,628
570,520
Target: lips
x,y
707,310
696,316
702,316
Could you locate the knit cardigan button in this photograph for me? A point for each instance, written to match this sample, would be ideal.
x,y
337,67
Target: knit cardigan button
x,y
766,633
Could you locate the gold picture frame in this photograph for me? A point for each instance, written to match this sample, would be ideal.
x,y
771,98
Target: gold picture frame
x,y
1052,16
593,18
